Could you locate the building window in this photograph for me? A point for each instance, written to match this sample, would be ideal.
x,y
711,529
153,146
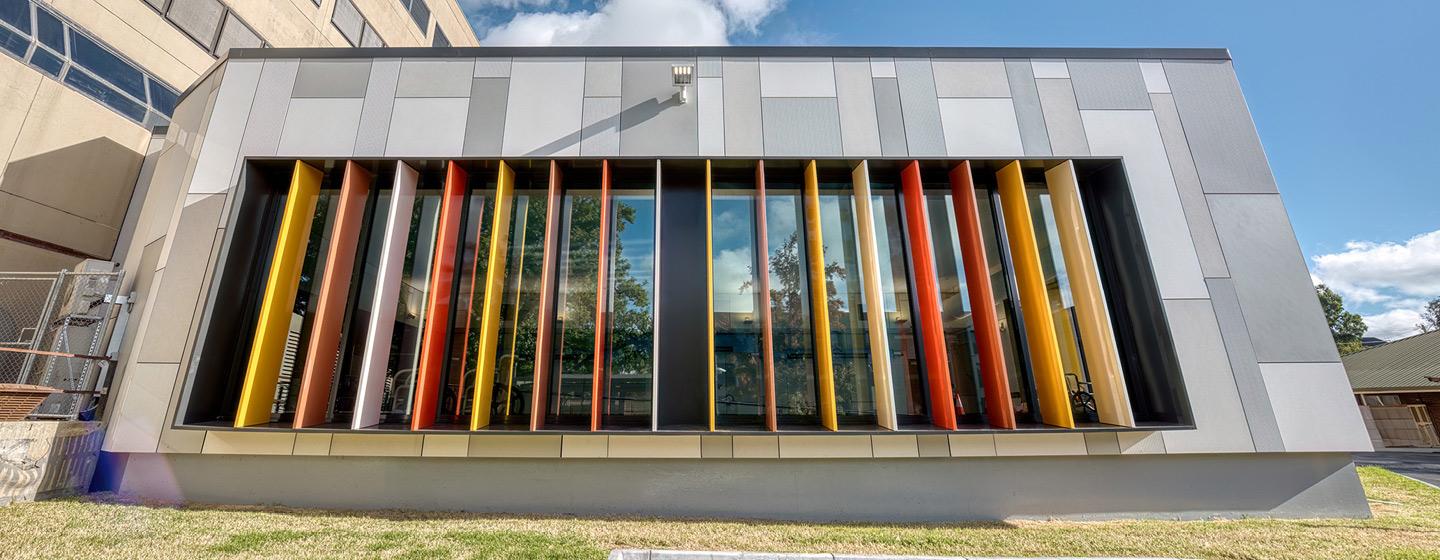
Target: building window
x,y
210,23
419,12
440,40
33,34
353,25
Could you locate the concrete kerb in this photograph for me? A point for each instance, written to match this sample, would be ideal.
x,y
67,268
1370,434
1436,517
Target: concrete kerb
x,y
642,554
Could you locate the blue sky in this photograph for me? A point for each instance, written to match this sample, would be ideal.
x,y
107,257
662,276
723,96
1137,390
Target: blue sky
x,y
1344,94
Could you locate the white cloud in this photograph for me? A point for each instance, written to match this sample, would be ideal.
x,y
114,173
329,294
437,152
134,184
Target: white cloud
x,y
630,22
1393,279
504,4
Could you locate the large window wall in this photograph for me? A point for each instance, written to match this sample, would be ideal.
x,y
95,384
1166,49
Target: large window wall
x,y
684,295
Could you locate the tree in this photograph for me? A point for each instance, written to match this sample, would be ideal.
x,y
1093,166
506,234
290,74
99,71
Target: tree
x,y
1430,316
1345,327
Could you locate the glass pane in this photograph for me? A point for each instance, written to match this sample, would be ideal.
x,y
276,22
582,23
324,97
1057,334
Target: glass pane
x,y
849,342
162,98
49,30
955,308
795,375
236,35
287,388
45,60
440,40
108,66
739,368
14,42
1062,303
630,340
519,312
399,394
357,313
17,14
420,13
197,18
911,400
573,366
457,394
370,39
348,20
104,94
1021,393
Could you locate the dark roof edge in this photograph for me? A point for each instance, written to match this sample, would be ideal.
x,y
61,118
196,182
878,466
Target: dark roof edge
x,y
837,51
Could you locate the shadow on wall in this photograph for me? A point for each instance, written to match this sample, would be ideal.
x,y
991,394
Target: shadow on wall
x,y
91,182
641,112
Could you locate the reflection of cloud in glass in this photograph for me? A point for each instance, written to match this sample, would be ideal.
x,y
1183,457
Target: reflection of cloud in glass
x,y
733,277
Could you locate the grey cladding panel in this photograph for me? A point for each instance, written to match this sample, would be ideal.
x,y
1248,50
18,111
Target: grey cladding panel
x,y
267,113
427,127
332,78
709,67
653,122
1272,283
1222,136
492,68
1259,413
601,135
970,78
859,129
543,113
1192,197
435,78
801,126
744,135
181,283
321,127
1108,84
889,117
1027,107
375,114
1062,118
485,123
602,77
920,108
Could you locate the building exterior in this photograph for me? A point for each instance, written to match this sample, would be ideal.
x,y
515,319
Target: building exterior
x,y
1397,386
820,283
83,81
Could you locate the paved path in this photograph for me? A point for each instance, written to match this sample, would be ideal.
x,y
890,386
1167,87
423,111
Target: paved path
x,y
1415,464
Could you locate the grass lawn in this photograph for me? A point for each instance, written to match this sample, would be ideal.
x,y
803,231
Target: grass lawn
x,y
1406,525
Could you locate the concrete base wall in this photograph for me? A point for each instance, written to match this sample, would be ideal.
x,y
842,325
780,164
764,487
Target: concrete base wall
x,y
44,459
1183,486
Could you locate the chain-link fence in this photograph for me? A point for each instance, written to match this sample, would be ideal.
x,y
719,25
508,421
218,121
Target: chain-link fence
x,y
54,329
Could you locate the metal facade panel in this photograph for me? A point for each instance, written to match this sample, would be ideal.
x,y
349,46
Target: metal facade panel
x,y
819,304
709,67
601,134
215,164
321,127
1027,107
653,122
1274,287
797,77
1222,136
1192,196
602,77
1062,118
941,397
859,127
485,119
380,328
435,78
1259,413
492,68
427,126
889,118
438,300
267,113
1154,73
1108,84
882,67
874,295
970,78
1314,407
379,101
988,346
710,104
744,134
332,78
924,135
1135,136
1050,68
800,126
543,114
1220,425
981,127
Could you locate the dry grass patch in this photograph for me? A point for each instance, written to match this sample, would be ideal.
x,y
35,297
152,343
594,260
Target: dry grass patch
x,y
1406,525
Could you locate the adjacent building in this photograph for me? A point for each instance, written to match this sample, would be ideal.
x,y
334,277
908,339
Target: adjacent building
x,y
1397,386
817,283
84,82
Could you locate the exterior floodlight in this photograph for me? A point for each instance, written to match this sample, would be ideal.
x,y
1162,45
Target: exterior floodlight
x,y
681,76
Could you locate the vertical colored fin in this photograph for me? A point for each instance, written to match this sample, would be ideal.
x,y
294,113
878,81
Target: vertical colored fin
x,y
710,291
1034,302
544,338
1102,358
598,385
475,283
762,274
494,295
998,407
874,300
323,353
927,294
438,299
257,396
387,295
819,298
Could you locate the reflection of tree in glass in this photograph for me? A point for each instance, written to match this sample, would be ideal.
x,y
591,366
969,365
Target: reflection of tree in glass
x,y
794,374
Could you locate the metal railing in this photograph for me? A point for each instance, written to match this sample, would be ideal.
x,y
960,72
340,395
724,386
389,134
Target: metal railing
x,y
55,331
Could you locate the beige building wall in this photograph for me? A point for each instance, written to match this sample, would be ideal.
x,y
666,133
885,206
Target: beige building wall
x,y
68,164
